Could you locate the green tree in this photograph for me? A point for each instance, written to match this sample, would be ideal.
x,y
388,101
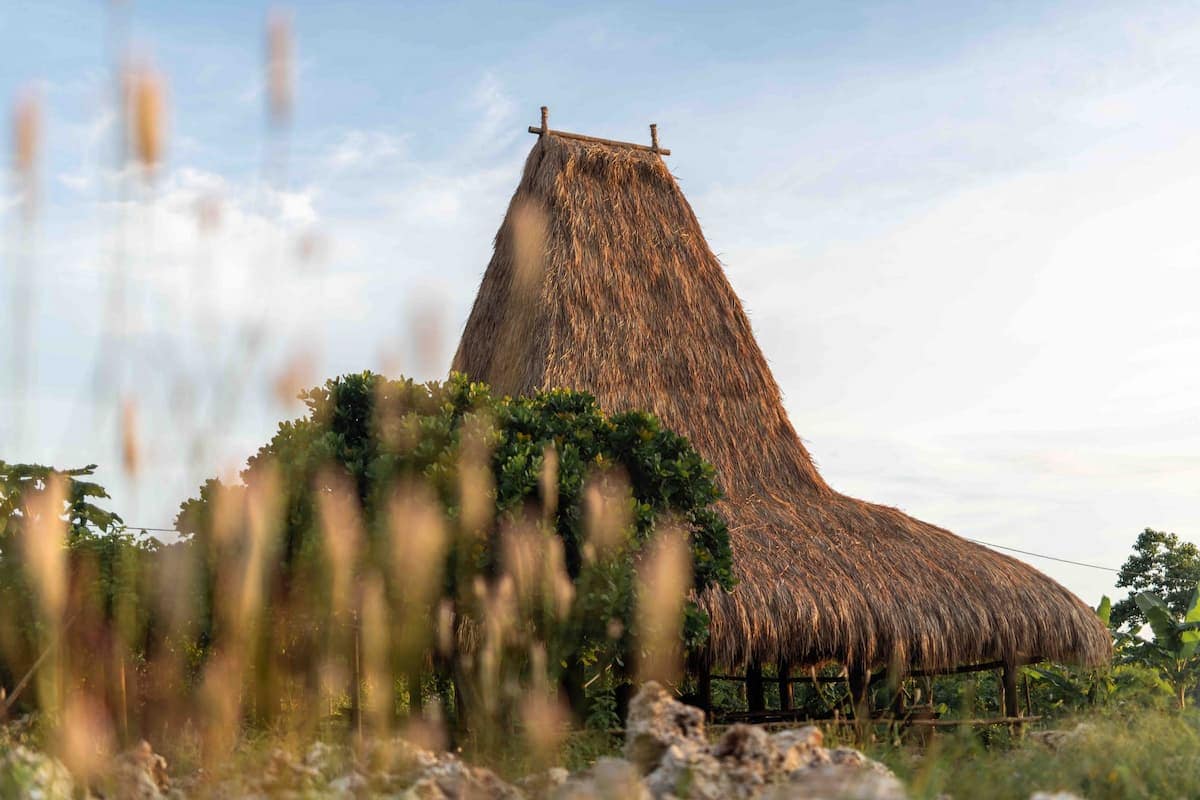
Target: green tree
x,y
1161,564
18,482
1173,651
373,435
104,562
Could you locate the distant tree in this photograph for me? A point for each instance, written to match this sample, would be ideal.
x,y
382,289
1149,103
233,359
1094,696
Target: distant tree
x,y
1173,651
18,482
1161,564
102,565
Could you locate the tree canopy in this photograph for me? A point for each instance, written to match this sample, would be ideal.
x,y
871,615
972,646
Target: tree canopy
x,y
18,482
1162,564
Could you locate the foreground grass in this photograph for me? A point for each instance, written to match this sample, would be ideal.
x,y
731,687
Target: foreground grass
x,y
1144,754
1102,756
1149,754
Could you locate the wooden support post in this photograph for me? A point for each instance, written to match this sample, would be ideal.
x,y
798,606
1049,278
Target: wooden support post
x,y
1011,707
858,680
458,702
704,687
1012,702
572,684
124,701
899,701
624,694
356,696
416,703
755,696
786,698
545,120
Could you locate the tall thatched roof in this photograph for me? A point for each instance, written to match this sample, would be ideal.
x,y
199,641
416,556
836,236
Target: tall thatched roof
x,y
602,280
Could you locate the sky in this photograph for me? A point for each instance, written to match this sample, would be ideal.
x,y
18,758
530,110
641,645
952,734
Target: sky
x,y
964,233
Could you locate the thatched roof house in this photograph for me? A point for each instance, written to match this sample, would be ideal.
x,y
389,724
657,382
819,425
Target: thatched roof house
x,y
602,280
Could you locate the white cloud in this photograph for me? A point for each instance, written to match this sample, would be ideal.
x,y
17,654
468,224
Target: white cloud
x,y
496,110
75,181
366,148
218,295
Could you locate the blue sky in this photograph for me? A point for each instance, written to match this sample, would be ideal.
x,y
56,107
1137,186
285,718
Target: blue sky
x,y
965,236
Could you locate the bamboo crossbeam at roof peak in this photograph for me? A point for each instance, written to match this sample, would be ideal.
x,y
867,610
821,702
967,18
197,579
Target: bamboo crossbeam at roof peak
x,y
545,130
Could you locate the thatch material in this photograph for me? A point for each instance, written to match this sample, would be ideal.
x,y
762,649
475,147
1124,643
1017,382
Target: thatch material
x,y
602,280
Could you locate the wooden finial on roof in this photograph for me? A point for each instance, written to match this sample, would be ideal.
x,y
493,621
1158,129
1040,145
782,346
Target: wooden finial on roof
x,y
544,130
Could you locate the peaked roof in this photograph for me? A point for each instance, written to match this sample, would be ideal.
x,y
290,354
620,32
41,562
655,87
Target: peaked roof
x,y
601,280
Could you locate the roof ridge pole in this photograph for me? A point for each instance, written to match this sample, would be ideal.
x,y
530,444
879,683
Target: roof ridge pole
x,y
545,121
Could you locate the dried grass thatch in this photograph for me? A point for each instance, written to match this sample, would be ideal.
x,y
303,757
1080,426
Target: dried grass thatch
x,y
602,280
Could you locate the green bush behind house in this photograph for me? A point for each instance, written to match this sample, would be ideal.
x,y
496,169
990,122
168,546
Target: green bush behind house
x,y
376,434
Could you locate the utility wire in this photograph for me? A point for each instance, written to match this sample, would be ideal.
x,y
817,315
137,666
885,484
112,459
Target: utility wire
x,y
976,541
1040,555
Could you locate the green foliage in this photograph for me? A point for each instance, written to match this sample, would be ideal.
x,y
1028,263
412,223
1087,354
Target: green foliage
x,y
19,482
376,435
1142,755
104,561
1145,673
602,707
1061,688
1161,564
1173,651
1058,690
1104,611
99,548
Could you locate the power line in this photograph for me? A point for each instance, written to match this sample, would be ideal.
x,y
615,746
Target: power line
x,y
145,528
1040,555
969,539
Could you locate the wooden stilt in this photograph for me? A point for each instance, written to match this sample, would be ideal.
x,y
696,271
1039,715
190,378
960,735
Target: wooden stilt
x,y
786,698
357,710
416,703
572,685
704,687
896,687
1012,704
858,680
624,693
124,704
755,696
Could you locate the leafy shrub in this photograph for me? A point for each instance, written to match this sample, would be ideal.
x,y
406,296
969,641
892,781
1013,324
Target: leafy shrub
x,y
1105,756
496,469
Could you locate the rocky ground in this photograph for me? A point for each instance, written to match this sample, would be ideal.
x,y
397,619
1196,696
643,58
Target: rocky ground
x,y
666,755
